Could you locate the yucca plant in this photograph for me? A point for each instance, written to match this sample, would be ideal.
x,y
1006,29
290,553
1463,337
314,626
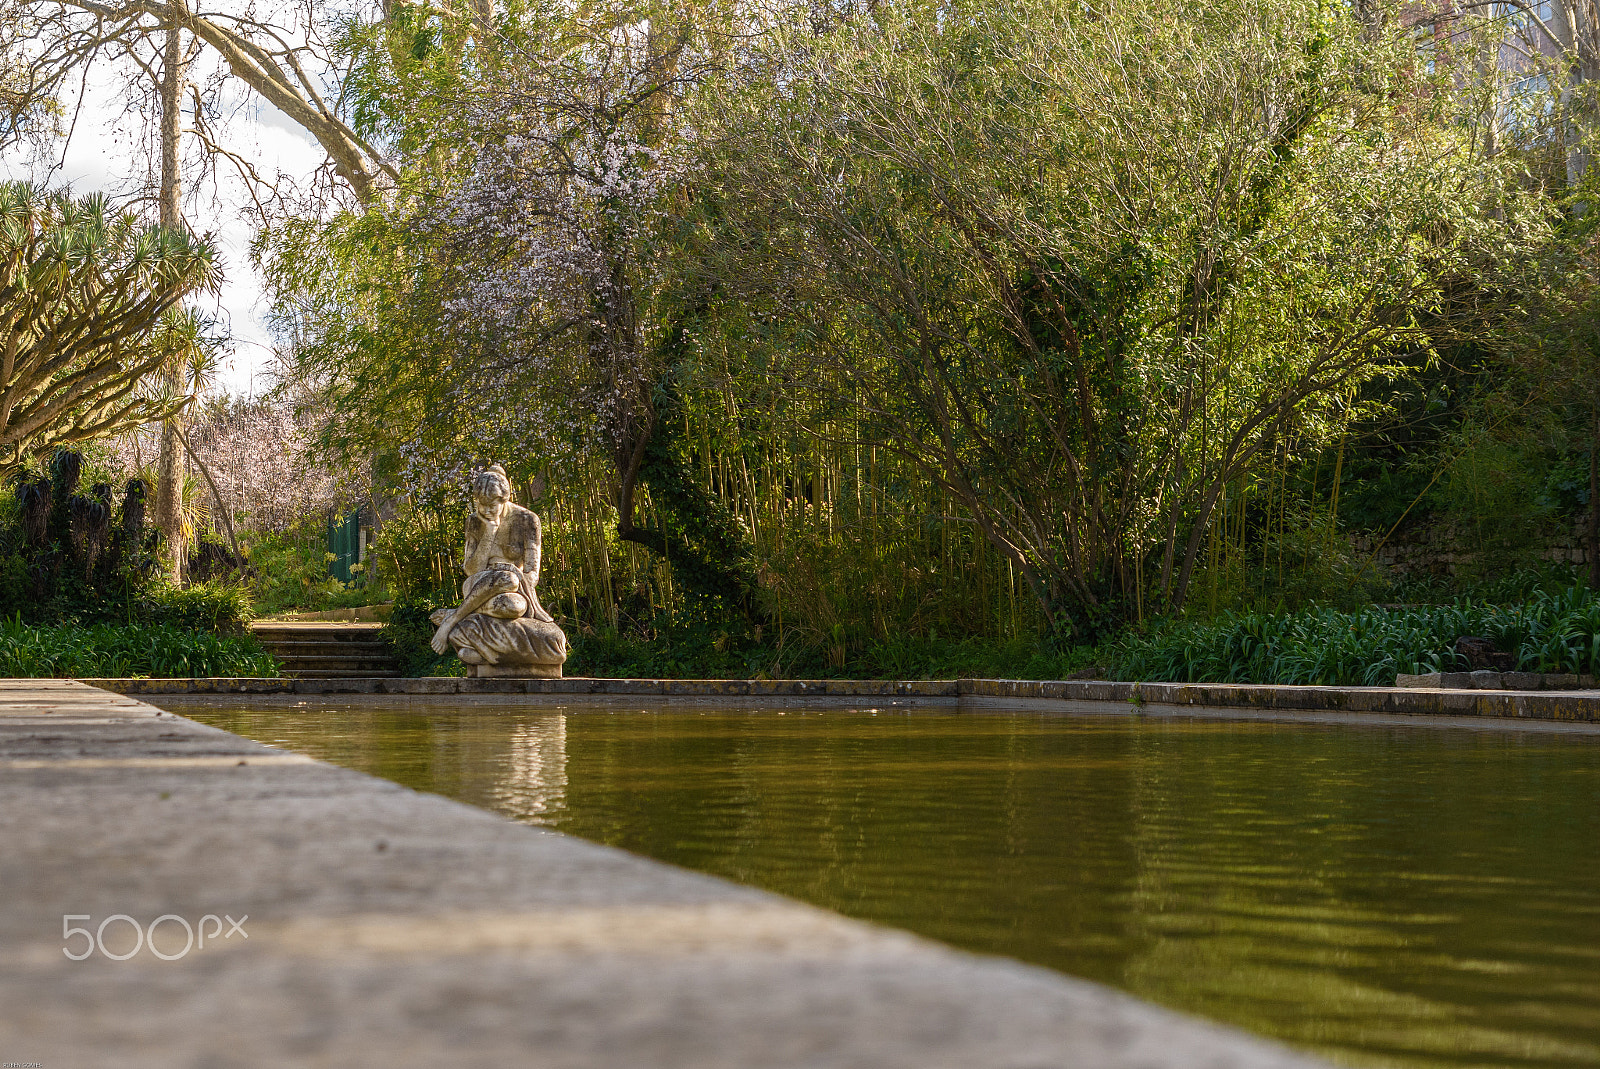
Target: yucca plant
x,y
88,311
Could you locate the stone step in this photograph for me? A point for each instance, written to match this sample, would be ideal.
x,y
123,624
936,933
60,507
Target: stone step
x,y
328,650
293,664
351,648
316,632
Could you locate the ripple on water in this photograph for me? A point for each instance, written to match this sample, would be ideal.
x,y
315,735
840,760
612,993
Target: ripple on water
x,y
1388,896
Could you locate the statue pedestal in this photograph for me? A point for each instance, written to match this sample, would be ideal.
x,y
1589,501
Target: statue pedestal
x,y
513,671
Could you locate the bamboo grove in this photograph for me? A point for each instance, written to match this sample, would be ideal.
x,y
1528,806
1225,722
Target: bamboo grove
x,y
994,321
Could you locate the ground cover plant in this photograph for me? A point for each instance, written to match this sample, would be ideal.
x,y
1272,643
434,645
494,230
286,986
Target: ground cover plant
x,y
1557,632
110,651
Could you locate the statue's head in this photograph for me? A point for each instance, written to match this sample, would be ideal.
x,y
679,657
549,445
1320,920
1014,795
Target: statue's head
x,y
491,493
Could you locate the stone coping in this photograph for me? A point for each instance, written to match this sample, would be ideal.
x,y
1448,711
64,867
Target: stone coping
x,y
360,612
1065,695
387,928
1488,679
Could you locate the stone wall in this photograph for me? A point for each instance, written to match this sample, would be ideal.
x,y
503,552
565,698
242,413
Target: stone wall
x,y
1446,549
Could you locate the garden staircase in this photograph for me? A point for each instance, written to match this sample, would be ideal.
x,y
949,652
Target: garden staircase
x,y
327,650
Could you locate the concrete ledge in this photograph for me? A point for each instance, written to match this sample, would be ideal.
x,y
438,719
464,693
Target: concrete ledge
x,y
390,929
1082,696
1485,679
359,613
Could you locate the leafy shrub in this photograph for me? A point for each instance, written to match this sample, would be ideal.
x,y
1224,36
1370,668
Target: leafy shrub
x,y
107,651
408,632
418,549
220,606
293,573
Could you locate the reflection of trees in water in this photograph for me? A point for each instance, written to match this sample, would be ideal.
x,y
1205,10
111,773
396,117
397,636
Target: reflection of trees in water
x,y
534,784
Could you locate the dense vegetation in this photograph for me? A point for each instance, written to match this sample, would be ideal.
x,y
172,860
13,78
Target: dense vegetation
x,y
1000,330
1000,339
1557,633
108,651
81,595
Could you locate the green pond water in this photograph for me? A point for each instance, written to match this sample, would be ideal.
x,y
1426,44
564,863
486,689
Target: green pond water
x,y
1385,895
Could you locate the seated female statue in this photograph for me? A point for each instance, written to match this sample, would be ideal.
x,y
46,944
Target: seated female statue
x,y
500,621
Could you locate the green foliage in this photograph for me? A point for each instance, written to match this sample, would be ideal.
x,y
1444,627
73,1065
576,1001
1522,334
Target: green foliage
x,y
1052,260
1287,563
291,572
1503,588
220,606
707,653
974,323
409,632
72,558
418,549
107,651
1555,631
89,301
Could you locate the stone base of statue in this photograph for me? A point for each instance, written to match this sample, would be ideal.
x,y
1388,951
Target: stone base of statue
x,y
526,647
513,671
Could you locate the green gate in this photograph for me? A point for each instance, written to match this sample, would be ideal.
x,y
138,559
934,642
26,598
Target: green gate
x,y
344,544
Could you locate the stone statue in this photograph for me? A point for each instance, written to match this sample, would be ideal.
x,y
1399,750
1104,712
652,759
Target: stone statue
x,y
500,629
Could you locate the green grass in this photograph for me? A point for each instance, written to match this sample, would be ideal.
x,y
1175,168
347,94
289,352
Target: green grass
x,y
108,651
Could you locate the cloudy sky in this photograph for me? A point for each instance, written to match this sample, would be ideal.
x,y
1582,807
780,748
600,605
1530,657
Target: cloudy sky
x,y
106,153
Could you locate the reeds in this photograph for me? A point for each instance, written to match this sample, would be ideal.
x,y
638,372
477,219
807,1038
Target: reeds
x,y
853,549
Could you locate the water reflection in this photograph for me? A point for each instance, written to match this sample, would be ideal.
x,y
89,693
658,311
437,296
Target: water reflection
x,y
534,786
1386,895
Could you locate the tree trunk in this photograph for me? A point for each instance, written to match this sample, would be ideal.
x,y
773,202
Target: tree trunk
x,y
216,495
169,514
1576,29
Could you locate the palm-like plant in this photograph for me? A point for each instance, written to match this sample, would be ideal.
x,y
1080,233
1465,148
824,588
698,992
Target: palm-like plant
x,y
88,311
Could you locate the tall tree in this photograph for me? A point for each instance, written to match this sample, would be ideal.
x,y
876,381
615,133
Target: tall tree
x,y
1086,271
168,511
290,64
286,65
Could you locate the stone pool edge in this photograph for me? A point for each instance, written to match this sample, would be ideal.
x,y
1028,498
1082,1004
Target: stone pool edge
x,y
1061,695
395,929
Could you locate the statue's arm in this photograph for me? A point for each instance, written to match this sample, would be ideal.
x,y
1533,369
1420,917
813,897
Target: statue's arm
x,y
474,537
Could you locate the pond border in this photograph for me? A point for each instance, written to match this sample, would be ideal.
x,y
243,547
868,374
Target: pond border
x,y
1062,695
386,928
